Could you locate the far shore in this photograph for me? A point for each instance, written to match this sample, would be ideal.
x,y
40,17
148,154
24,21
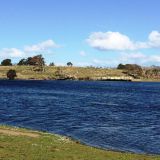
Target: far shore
x,y
71,73
134,80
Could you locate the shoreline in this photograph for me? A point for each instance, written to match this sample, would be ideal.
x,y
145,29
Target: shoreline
x,y
110,80
18,133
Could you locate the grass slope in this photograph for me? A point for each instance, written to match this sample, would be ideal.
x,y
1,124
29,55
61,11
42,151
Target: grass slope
x,y
26,72
22,144
81,73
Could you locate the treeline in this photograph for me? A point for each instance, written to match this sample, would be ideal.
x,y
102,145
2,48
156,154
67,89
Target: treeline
x,y
38,64
37,60
28,61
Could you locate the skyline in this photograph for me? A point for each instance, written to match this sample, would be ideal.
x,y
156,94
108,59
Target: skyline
x,y
98,33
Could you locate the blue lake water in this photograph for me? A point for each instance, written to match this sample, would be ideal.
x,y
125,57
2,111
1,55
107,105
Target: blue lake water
x,y
121,116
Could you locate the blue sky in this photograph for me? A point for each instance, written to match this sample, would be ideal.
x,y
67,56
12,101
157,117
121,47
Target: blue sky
x,y
85,32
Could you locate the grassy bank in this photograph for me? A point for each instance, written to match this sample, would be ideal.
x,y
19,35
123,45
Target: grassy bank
x,y
22,144
77,73
26,72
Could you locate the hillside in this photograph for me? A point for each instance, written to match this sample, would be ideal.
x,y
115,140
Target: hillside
x,y
79,73
75,73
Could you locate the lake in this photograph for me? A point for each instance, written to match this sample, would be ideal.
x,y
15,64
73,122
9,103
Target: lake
x,y
123,116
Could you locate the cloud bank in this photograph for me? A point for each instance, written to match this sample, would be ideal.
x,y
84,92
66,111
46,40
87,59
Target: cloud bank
x,y
132,58
117,41
43,47
139,58
11,52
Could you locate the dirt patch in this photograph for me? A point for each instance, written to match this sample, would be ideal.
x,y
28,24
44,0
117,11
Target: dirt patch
x,y
18,133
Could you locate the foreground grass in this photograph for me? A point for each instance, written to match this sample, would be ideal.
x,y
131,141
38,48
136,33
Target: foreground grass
x,y
21,144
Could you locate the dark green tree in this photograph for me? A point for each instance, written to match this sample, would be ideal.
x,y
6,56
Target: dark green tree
x,y
22,62
6,62
69,64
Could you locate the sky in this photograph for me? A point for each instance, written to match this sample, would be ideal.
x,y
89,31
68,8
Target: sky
x,y
86,32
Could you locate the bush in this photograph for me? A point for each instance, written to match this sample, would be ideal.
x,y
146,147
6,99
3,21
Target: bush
x,y
69,64
52,64
121,66
11,74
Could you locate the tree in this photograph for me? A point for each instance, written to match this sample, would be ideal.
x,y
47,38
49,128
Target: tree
x,y
37,62
22,62
69,64
28,61
6,62
52,64
133,70
11,74
121,66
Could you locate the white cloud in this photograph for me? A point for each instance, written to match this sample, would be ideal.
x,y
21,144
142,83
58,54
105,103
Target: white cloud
x,y
125,58
40,47
83,53
110,41
139,58
154,39
118,41
154,59
44,47
131,57
11,52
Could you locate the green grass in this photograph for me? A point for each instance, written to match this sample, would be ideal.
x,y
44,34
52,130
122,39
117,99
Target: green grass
x,y
54,147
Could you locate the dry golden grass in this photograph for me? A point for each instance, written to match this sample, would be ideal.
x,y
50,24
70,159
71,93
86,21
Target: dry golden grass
x,y
26,72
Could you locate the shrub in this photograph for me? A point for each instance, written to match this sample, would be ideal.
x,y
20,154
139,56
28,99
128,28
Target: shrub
x,y
69,64
11,74
52,64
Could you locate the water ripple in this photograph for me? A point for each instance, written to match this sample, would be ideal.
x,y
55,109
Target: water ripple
x,y
113,115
